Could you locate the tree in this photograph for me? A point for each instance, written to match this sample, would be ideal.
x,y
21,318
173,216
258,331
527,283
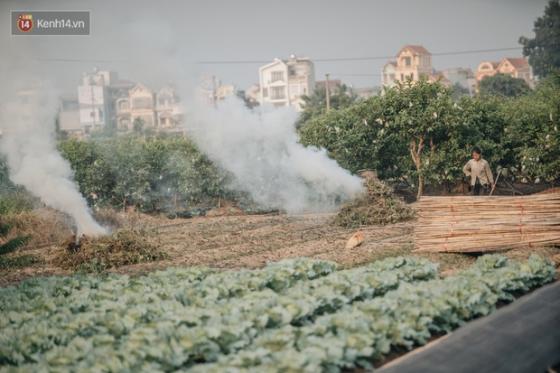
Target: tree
x,y
409,132
246,100
316,103
503,85
426,118
533,131
458,91
138,125
544,49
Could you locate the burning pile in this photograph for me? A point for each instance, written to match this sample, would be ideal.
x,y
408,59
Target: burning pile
x,y
101,253
378,205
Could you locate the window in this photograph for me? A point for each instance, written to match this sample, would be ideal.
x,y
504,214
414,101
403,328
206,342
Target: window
x,y
407,61
276,76
277,93
402,77
123,105
265,92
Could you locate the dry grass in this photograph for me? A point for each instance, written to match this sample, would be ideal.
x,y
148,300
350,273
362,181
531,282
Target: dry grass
x,y
44,226
99,254
110,218
246,241
378,205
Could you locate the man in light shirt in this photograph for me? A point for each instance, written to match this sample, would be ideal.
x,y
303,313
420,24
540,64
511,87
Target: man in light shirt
x,y
480,173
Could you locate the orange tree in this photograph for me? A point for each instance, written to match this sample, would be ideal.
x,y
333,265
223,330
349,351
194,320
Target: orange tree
x,y
416,133
426,118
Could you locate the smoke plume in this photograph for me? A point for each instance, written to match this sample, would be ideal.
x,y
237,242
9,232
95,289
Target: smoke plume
x,y
261,149
27,124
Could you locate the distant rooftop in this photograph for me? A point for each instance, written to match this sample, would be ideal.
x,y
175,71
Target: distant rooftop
x,y
417,49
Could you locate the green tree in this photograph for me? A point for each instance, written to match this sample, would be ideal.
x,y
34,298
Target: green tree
x,y
533,131
138,125
458,91
544,49
249,103
316,103
152,173
503,85
426,118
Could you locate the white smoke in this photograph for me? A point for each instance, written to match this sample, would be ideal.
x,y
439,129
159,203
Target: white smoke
x,y
261,149
27,124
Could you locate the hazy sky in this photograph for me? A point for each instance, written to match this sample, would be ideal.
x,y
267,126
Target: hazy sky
x,y
158,41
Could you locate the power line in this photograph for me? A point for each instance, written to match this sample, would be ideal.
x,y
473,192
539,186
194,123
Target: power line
x,y
343,59
332,59
343,74
75,60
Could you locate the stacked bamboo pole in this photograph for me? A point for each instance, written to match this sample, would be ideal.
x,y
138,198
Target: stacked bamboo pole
x,y
479,224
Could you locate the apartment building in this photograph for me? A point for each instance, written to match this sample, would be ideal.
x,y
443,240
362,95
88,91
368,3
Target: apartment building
x,y
284,82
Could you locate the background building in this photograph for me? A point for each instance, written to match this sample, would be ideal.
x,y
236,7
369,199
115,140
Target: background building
x,y
94,99
412,62
284,82
69,117
169,113
515,67
461,76
389,75
104,100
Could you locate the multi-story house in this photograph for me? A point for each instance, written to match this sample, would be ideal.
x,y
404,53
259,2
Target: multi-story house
x,y
486,68
413,62
94,99
104,100
69,117
284,82
168,110
138,107
515,67
389,76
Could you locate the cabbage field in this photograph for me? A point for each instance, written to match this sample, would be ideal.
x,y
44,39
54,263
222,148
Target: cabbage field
x,y
293,315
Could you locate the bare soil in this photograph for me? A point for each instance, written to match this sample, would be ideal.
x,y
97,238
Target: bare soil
x,y
251,241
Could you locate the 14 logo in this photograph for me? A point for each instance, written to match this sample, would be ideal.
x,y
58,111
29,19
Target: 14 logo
x,y
25,22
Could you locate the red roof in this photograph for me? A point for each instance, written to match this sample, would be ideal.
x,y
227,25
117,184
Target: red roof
x,y
416,49
518,63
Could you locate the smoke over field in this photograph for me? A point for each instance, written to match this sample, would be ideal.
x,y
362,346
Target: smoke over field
x,y
261,149
27,122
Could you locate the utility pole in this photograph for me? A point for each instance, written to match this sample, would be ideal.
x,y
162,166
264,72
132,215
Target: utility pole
x,y
327,92
214,93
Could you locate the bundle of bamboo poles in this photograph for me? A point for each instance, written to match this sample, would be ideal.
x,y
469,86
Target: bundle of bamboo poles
x,y
483,223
